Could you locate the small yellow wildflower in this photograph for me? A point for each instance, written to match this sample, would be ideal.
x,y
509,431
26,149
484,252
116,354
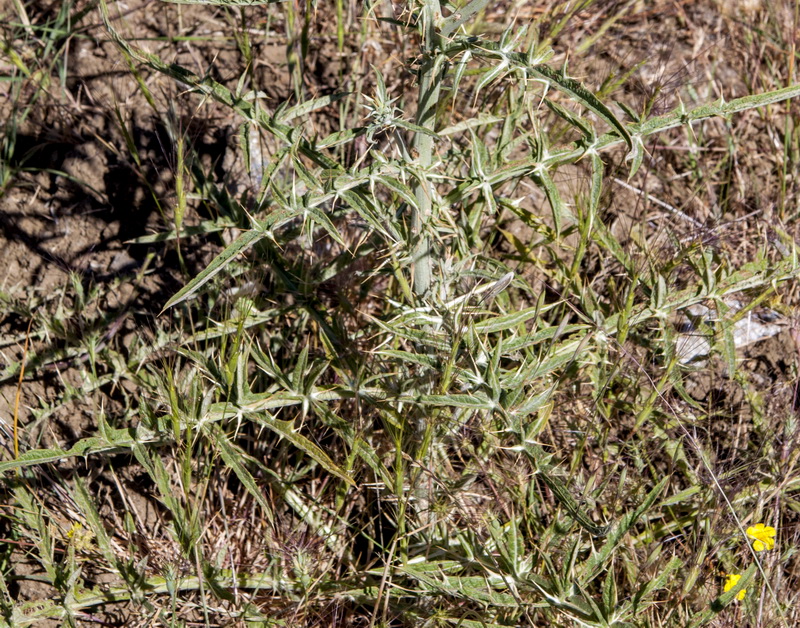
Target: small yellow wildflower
x,y
732,580
764,537
80,538
75,528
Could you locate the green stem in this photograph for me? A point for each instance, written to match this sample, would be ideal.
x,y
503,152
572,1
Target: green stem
x,y
429,86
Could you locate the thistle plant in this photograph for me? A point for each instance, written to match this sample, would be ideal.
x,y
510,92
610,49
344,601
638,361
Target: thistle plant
x,y
385,361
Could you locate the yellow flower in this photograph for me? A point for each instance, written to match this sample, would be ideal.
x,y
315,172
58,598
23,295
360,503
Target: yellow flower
x,y
732,580
75,528
764,537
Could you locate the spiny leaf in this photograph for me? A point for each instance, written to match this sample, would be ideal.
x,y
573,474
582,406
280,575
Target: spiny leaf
x,y
123,439
204,228
84,501
578,93
286,429
560,212
476,401
506,321
599,558
658,582
548,475
636,155
307,107
233,457
462,16
239,245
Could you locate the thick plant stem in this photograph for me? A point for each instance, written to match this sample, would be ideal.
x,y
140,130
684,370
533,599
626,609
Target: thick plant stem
x,y
429,86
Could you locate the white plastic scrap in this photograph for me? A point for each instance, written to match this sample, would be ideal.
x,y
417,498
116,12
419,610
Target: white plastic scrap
x,y
758,324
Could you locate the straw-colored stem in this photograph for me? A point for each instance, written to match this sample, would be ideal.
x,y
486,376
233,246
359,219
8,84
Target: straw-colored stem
x,y
429,85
